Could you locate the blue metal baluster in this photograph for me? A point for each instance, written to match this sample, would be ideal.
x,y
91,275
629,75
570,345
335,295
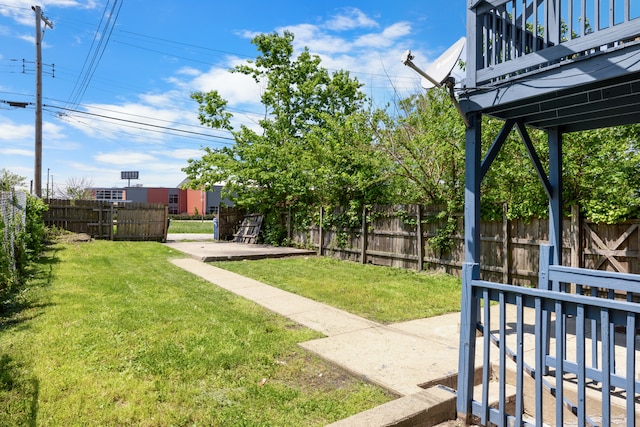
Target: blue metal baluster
x,y
560,354
503,360
631,369
486,360
580,362
612,336
540,357
519,361
606,367
594,335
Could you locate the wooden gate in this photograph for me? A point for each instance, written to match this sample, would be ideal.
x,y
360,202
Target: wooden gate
x,y
107,220
141,221
611,247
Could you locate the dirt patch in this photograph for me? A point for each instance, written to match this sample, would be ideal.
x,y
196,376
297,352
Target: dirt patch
x,y
313,374
74,238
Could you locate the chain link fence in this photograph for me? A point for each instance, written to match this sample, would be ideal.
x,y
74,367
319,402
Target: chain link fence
x,y
13,206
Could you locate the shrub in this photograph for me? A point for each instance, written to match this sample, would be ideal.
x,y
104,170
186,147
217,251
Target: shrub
x,y
23,239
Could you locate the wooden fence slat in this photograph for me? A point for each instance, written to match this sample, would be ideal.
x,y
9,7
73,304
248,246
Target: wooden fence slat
x,y
131,221
509,248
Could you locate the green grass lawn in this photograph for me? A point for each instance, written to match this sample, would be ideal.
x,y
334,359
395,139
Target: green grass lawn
x,y
377,293
112,334
191,226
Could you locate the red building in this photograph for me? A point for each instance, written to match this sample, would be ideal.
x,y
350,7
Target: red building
x,y
179,201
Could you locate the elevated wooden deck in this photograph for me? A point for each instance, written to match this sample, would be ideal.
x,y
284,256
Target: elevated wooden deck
x,y
579,69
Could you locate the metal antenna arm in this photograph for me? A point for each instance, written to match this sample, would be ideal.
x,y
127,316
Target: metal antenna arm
x,y
452,95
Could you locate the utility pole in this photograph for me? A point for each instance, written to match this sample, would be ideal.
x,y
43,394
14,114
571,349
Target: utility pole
x,y
38,154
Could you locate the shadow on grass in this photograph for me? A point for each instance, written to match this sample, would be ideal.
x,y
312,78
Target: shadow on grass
x,y
17,300
19,391
19,388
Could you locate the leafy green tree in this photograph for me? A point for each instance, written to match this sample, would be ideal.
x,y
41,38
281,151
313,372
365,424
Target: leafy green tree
x,y
9,180
602,172
426,145
315,145
76,189
512,178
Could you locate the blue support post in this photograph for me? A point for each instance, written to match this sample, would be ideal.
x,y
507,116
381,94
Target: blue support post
x,y
472,189
555,201
471,268
546,259
466,359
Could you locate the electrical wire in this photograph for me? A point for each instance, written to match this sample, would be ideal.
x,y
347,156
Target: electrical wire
x,y
87,72
149,125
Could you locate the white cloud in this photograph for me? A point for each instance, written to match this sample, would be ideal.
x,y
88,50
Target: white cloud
x,y
386,38
11,131
16,152
180,153
350,19
20,10
188,71
236,88
124,158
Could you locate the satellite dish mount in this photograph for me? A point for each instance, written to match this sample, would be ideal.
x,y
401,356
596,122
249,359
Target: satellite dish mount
x,y
439,73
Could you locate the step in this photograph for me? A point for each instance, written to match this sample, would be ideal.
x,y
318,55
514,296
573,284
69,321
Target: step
x,y
425,408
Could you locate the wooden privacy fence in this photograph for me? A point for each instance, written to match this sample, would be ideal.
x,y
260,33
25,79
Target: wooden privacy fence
x,y
108,220
398,236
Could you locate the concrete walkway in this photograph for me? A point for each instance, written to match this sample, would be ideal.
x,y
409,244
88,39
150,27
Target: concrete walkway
x,y
397,357
400,357
410,359
202,247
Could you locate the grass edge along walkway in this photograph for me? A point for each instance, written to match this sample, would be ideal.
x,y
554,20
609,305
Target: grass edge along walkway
x,y
115,335
382,294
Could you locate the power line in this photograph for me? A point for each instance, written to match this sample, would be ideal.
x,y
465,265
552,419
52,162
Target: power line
x,y
111,134
184,44
87,72
140,123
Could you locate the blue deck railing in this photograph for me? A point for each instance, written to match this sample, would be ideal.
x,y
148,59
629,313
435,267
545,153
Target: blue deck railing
x,y
570,342
512,38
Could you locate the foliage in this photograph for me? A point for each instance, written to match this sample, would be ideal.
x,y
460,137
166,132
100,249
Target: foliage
x,y
23,234
602,173
315,145
443,240
426,145
76,189
322,145
512,178
34,233
9,180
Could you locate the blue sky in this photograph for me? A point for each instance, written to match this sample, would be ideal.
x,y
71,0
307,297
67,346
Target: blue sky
x,y
117,98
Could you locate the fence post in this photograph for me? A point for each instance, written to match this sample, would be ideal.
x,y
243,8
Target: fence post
x,y
419,237
363,240
320,232
111,223
576,236
506,247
